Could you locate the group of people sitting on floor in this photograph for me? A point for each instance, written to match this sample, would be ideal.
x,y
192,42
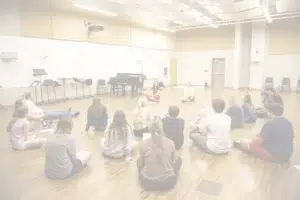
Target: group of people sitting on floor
x,y
158,166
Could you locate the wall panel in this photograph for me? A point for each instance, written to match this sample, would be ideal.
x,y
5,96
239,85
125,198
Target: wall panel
x,y
69,26
206,39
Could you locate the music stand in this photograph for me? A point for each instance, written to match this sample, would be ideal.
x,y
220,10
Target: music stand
x,y
40,73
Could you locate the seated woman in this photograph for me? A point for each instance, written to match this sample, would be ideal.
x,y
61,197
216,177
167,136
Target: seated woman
x,y
158,165
213,132
61,158
155,96
173,127
248,109
118,137
141,119
235,112
275,140
189,94
97,116
20,137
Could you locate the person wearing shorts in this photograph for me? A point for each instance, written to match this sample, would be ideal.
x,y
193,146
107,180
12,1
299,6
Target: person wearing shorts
x,y
275,140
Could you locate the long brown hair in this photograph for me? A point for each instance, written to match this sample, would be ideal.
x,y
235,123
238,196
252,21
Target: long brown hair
x,y
119,125
156,129
21,112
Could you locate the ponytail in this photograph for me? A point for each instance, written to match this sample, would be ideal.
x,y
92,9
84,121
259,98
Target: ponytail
x,y
156,130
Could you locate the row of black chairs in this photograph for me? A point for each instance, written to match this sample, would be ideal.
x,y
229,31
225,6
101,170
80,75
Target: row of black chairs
x,y
285,84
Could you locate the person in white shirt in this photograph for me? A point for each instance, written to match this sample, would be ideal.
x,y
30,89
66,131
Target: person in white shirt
x,y
141,119
34,112
213,132
189,94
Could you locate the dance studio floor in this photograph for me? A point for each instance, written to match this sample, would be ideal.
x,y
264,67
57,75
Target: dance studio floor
x,y
233,177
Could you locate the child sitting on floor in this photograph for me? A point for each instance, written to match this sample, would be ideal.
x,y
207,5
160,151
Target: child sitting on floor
x,y
275,140
235,112
189,94
155,97
212,134
118,137
20,137
97,116
141,119
61,157
158,165
173,127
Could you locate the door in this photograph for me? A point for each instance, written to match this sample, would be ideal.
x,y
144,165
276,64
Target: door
x,y
218,73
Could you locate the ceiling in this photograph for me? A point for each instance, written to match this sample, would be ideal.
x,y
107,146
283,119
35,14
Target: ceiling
x,y
175,15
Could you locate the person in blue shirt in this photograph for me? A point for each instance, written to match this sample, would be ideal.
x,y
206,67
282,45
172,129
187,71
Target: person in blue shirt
x,y
275,140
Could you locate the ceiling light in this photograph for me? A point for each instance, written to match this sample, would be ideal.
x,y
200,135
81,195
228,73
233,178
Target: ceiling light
x,y
266,13
94,9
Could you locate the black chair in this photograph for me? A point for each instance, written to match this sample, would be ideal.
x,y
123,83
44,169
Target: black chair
x,y
286,85
298,87
89,83
101,86
269,83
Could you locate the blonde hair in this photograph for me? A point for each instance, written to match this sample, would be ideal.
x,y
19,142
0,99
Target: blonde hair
x,y
156,129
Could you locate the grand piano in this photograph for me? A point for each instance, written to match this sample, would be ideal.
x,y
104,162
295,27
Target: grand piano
x,y
123,80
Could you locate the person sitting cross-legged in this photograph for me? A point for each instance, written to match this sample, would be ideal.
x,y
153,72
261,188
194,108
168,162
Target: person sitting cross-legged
x,y
19,128
275,140
213,131
173,127
235,112
158,166
118,137
97,116
141,119
189,94
61,157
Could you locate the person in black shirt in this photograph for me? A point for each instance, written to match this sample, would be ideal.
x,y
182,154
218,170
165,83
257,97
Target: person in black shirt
x,y
173,127
275,140
97,116
235,112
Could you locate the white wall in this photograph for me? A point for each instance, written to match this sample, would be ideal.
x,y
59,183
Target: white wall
x,y
75,59
259,51
280,66
191,66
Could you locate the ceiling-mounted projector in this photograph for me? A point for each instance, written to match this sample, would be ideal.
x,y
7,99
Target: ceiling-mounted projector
x,y
93,27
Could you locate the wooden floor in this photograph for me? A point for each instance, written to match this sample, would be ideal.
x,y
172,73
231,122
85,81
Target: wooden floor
x,y
242,177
